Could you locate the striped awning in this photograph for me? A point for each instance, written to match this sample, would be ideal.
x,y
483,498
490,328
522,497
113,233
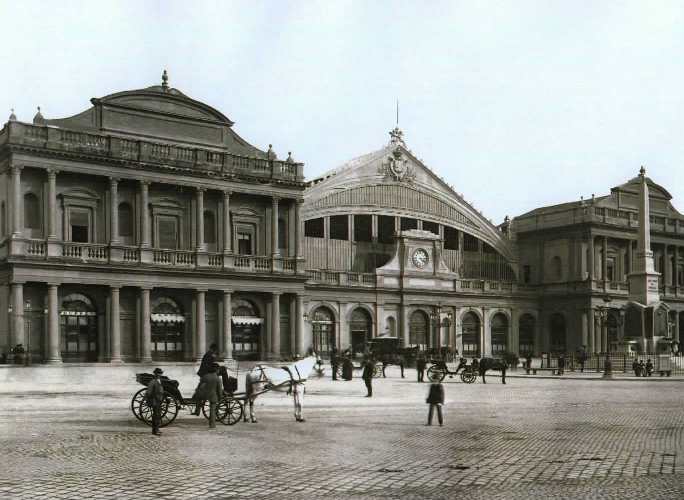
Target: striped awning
x,y
168,318
247,320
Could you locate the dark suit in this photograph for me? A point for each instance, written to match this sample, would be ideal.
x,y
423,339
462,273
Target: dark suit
x,y
155,397
367,376
211,389
435,399
420,367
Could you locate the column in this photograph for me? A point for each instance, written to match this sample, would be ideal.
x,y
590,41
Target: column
x,y
591,324
301,340
114,210
146,340
227,233
675,333
402,326
199,198
298,228
201,325
592,254
667,268
144,215
604,261
17,207
275,324
54,355
52,203
629,257
17,317
227,325
115,326
274,228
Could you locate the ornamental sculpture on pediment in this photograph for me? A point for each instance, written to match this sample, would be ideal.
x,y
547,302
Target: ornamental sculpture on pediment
x,y
397,167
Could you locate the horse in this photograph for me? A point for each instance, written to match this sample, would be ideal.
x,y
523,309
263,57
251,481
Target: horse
x,y
492,364
261,379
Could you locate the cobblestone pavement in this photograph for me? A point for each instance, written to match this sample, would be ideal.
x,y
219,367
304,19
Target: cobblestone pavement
x,y
531,438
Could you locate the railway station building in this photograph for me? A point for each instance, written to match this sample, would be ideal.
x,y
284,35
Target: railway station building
x,y
145,228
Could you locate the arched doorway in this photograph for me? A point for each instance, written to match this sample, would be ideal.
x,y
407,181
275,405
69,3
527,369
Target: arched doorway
x,y
471,334
526,328
418,329
246,330
323,326
168,330
361,329
391,329
499,332
78,329
557,337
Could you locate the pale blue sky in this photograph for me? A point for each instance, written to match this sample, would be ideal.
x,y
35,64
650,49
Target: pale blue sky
x,y
518,104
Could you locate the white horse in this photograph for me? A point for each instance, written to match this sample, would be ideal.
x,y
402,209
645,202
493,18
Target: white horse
x,y
290,379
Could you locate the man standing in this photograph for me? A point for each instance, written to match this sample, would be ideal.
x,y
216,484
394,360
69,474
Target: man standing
x,y
435,399
209,358
420,366
154,395
367,376
334,362
212,391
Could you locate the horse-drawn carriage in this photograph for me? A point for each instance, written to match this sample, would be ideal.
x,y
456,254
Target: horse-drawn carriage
x,y
469,372
228,411
385,351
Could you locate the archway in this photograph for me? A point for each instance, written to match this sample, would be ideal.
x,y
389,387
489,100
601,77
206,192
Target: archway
x,y
418,329
78,329
557,337
471,334
361,329
391,329
246,330
168,328
499,333
527,326
323,326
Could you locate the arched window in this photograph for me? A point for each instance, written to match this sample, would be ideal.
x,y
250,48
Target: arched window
x,y
471,334
78,328
499,330
418,328
168,327
125,219
282,234
246,334
31,211
361,329
209,227
527,327
391,327
558,341
556,268
323,325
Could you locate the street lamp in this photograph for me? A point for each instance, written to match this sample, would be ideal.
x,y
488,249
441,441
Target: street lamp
x,y
603,313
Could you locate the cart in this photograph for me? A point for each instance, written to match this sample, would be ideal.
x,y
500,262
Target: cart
x,y
440,369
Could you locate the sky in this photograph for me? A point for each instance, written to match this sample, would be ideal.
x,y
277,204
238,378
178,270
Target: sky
x,y
517,104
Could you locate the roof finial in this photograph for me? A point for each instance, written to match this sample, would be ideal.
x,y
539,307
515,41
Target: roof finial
x,y
165,80
39,119
642,171
12,117
289,157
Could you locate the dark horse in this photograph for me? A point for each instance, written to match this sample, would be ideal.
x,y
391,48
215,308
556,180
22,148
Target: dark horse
x,y
492,364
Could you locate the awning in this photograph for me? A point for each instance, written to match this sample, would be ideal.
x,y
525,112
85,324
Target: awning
x,y
168,318
247,320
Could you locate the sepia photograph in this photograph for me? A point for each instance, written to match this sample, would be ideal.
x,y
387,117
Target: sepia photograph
x,y
342,249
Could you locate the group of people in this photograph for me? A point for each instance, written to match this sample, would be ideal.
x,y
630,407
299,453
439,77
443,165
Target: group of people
x,y
641,369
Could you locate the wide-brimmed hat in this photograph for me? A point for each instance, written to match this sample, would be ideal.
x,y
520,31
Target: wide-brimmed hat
x,y
158,371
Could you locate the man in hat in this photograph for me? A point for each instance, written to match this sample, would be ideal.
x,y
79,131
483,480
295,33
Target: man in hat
x,y
367,376
212,392
209,358
154,395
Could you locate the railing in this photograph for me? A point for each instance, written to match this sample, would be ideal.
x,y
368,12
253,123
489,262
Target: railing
x,y
621,362
215,260
131,255
289,265
36,248
173,258
195,159
88,252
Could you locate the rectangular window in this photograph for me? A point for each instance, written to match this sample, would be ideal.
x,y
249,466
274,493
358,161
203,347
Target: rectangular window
x,y
408,223
167,227
339,227
526,274
610,269
314,228
363,228
79,220
450,238
244,243
385,229
433,227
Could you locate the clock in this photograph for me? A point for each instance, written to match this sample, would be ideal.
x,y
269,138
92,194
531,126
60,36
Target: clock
x,y
420,258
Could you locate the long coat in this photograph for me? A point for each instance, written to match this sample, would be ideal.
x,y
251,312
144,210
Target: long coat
x,y
210,388
208,360
436,394
368,370
155,392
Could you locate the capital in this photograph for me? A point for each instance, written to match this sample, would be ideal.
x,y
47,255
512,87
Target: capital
x,y
200,189
17,168
51,171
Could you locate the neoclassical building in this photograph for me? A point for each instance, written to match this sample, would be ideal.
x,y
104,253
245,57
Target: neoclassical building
x,y
145,228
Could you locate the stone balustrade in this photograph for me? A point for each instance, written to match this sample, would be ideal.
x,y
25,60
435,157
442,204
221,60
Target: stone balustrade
x,y
210,162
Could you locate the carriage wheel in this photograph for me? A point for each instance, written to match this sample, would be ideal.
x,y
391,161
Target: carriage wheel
x,y
436,374
377,371
468,376
170,408
229,411
136,402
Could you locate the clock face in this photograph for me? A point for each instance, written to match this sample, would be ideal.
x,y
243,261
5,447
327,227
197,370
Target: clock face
x,y
420,258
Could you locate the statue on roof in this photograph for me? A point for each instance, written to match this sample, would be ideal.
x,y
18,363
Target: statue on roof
x,y
397,136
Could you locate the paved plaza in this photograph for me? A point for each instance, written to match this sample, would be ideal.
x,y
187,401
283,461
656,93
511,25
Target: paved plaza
x,y
531,438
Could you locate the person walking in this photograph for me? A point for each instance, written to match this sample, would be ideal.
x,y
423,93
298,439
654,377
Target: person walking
x,y
334,362
636,368
420,366
154,395
209,358
582,358
347,367
435,399
561,364
649,368
211,389
367,376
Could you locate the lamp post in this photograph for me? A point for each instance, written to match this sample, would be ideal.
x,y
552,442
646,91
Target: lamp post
x,y
603,312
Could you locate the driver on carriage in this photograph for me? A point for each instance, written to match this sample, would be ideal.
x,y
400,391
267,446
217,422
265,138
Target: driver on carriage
x,y
208,360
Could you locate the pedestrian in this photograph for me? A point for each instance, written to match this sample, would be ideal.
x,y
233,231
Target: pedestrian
x,y
209,358
347,367
642,368
420,366
435,399
334,362
636,368
649,368
211,389
154,395
401,364
367,376
561,364
582,358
